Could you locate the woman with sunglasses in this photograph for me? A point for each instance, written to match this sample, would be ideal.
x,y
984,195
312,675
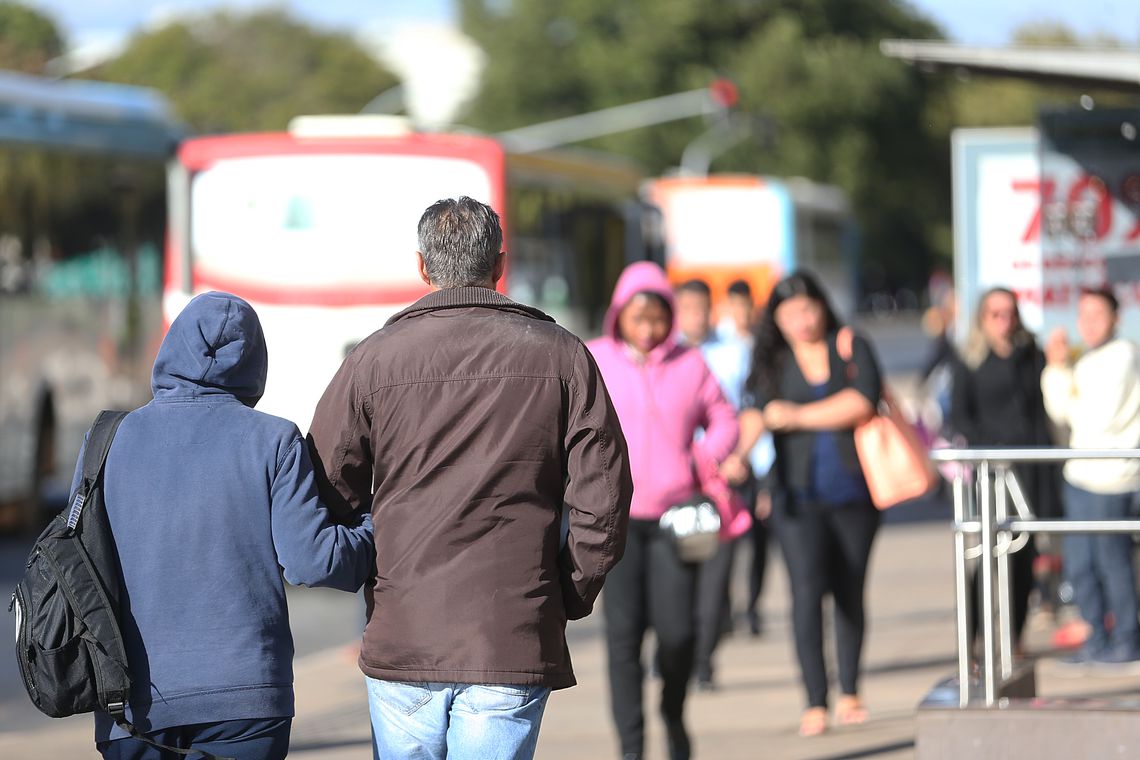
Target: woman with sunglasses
x,y
996,401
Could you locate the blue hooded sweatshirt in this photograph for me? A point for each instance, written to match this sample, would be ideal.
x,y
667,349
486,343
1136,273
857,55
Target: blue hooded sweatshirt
x,y
211,503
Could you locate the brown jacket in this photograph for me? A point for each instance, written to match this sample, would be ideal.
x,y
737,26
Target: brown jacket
x,y
469,423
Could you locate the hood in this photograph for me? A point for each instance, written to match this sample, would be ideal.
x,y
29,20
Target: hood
x,y
215,347
639,277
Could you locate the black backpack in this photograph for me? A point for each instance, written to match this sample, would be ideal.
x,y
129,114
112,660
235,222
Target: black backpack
x,y
68,642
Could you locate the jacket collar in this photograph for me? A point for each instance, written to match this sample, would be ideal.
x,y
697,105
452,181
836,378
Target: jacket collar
x,y
466,298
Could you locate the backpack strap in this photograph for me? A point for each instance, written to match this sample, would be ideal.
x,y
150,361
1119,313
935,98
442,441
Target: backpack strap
x,y
120,718
99,440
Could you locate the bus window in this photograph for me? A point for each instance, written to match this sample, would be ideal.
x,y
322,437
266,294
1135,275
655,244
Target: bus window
x,y
324,222
566,253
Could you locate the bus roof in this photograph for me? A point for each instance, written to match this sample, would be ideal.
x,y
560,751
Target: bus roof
x,y
200,152
602,172
92,116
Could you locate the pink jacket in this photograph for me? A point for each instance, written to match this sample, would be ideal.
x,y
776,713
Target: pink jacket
x,y
661,404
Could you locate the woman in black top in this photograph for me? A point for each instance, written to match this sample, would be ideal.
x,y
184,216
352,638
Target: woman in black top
x,y
996,401
811,399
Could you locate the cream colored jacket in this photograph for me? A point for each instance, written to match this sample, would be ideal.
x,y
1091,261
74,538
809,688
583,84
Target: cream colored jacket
x,y
1099,400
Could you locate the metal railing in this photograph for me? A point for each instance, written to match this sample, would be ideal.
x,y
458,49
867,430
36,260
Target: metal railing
x,y
982,508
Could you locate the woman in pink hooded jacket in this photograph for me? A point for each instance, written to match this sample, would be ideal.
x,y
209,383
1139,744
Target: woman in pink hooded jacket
x,y
664,394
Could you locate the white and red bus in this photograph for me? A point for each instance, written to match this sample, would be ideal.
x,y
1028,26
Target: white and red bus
x,y
316,228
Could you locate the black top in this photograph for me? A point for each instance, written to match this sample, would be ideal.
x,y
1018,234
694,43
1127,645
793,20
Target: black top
x,y
1000,403
792,470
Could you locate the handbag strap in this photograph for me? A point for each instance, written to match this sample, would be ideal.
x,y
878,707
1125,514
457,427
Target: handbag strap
x,y
845,347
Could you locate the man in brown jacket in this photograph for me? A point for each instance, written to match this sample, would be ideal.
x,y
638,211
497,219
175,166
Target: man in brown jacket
x,y
482,438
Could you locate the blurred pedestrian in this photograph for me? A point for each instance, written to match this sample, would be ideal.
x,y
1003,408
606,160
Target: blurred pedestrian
x,y
938,367
664,394
752,475
210,503
996,401
472,427
727,358
1098,399
811,399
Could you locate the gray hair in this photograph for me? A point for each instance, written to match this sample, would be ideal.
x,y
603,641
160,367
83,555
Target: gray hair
x,y
460,239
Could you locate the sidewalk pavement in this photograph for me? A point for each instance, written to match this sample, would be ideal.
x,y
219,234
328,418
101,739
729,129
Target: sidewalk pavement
x,y
755,712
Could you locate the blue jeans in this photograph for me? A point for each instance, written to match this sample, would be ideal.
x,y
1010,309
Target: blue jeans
x,y
1100,569
433,721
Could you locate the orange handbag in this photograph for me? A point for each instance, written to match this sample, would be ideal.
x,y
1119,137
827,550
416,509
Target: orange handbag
x,y
895,463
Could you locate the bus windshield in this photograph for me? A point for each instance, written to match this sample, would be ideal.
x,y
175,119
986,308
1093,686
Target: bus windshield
x,y
326,221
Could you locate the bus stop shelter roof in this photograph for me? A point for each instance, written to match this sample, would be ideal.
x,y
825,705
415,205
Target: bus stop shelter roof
x,y
1110,68
97,117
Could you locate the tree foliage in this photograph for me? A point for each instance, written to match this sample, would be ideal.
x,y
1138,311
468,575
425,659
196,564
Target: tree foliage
x,y
28,39
230,72
849,116
843,113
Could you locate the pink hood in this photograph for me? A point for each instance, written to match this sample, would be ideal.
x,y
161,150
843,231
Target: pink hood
x,y
639,277
662,401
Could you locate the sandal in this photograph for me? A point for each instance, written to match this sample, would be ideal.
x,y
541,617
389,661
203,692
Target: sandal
x,y
813,722
850,711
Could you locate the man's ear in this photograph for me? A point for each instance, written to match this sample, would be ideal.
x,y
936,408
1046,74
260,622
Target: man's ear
x,y
499,268
423,268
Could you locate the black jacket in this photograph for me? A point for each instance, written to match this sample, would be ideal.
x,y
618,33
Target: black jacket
x,y
792,469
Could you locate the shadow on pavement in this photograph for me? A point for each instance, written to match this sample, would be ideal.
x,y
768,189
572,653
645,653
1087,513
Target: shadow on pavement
x,y
884,749
900,666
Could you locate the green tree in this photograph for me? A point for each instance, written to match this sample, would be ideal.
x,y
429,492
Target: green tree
x,y
228,72
28,39
843,113
849,116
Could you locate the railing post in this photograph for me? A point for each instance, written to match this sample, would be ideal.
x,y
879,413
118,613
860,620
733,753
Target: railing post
x,y
962,604
1004,543
989,666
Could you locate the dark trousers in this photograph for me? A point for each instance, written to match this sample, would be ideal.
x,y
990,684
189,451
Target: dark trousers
x,y
714,584
1020,587
713,612
649,587
758,535
265,739
827,549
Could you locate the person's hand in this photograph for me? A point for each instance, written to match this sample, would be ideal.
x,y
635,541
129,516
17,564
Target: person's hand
x,y
734,469
763,509
781,415
1057,348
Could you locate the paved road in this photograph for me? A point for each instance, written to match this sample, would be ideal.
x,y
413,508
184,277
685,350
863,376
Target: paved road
x,y
754,715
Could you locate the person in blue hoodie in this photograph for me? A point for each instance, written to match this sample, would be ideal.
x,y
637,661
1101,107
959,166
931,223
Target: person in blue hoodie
x,y
210,503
